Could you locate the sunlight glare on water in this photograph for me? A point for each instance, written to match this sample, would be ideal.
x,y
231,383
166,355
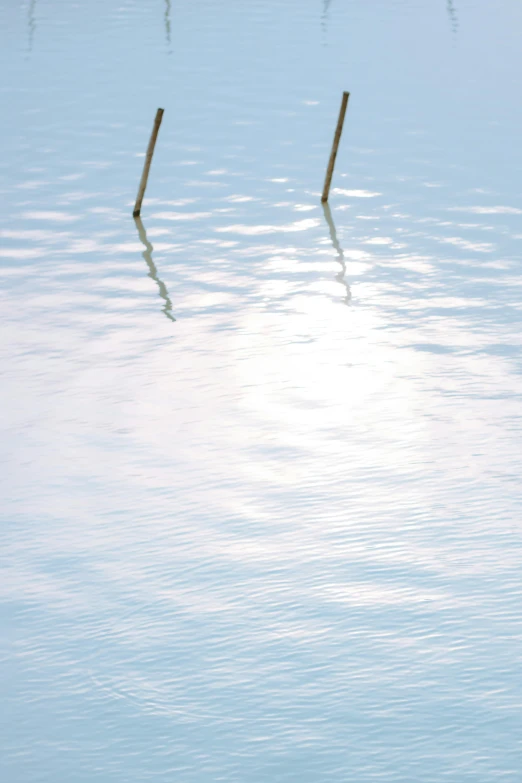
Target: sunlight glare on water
x,y
261,500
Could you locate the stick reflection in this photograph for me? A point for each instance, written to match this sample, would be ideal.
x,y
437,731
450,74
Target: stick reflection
x,y
167,22
452,13
153,272
324,17
31,25
338,249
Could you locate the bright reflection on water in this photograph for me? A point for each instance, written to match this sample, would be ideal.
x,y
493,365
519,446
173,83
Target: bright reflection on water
x,y
261,486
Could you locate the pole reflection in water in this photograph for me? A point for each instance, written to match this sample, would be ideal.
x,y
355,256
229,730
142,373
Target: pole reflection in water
x,y
338,249
153,272
31,25
167,23
452,13
324,17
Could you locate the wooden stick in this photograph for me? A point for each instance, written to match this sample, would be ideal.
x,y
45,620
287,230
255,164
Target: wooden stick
x,y
148,161
333,154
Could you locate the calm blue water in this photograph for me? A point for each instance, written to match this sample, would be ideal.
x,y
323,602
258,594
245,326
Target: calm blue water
x,y
261,500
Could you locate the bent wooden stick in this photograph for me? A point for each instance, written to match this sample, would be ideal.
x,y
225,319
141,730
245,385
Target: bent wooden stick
x,y
335,146
148,161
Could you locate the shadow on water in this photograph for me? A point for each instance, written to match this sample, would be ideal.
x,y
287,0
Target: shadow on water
x,y
338,249
167,23
31,26
153,272
452,13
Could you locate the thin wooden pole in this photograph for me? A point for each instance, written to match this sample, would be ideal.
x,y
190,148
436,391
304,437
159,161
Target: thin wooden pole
x,y
148,161
333,154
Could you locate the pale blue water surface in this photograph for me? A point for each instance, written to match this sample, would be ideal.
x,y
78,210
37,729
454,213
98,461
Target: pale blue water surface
x,y
261,496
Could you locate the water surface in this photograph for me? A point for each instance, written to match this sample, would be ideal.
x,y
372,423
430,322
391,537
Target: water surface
x,y
261,495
